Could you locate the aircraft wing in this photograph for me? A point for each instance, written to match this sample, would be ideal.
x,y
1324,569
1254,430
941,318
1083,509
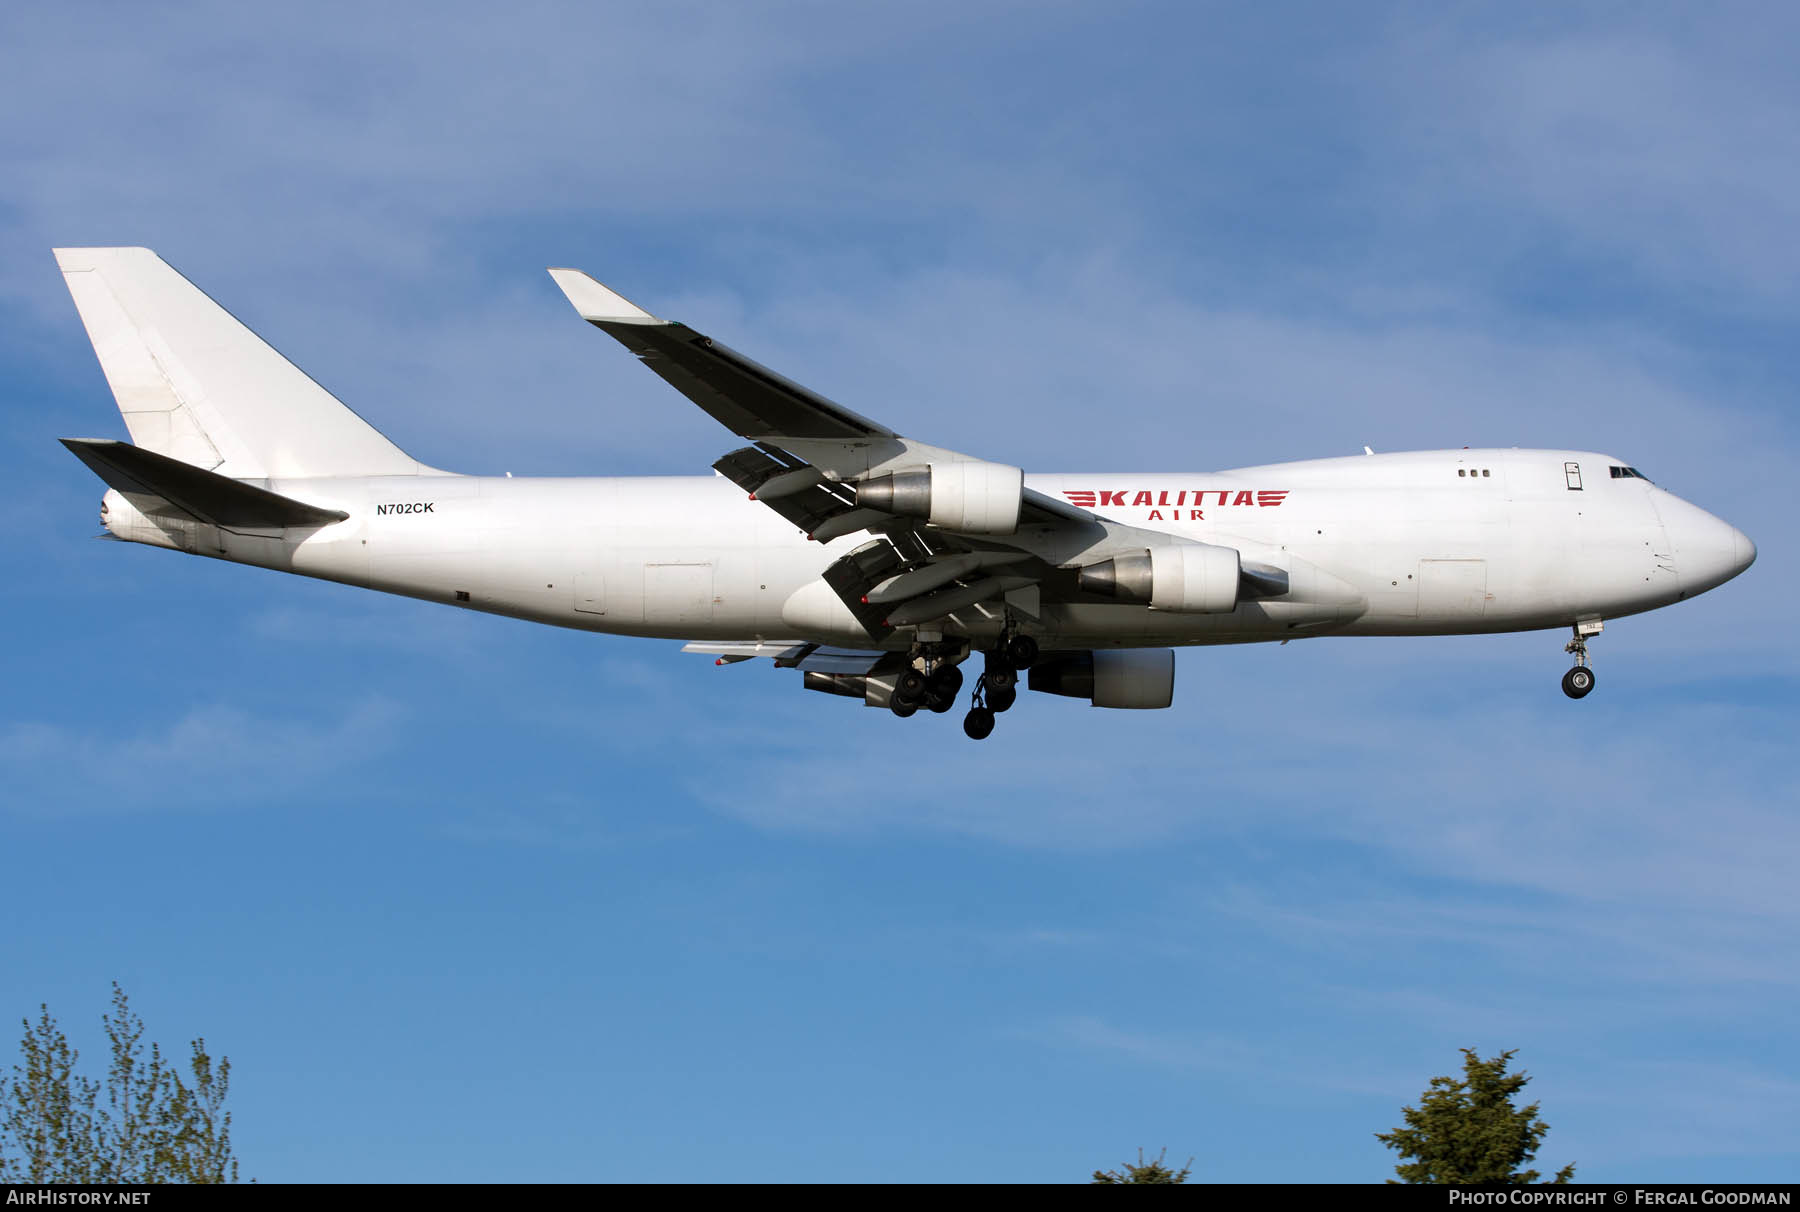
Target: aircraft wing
x,y
950,531
755,402
744,396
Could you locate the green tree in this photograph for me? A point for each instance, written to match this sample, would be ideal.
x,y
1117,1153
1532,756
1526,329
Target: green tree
x,y
1145,1172
147,1123
1468,1131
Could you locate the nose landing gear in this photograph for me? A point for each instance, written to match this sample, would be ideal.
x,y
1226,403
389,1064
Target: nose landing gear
x,y
1580,680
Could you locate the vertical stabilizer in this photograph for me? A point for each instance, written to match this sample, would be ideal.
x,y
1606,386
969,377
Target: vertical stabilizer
x,y
196,385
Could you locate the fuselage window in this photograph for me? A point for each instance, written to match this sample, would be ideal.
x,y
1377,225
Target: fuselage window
x,y
1460,473
1484,472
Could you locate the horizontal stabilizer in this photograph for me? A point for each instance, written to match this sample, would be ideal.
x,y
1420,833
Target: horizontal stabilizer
x,y
211,498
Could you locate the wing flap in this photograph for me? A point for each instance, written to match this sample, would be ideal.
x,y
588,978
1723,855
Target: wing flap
x,y
809,658
816,501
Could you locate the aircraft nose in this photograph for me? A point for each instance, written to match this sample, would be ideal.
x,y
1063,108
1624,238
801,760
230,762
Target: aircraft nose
x,y
1743,551
1708,550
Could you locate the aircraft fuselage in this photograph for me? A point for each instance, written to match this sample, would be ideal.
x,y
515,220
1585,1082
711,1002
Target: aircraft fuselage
x,y
1423,543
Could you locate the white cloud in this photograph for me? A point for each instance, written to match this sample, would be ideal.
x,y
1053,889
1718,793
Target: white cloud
x,y
207,757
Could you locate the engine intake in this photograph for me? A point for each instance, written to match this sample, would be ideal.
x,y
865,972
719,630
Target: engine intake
x,y
976,497
1190,578
1131,678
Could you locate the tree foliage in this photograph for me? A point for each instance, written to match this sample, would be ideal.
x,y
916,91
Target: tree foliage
x,y
146,1123
1468,1131
1145,1172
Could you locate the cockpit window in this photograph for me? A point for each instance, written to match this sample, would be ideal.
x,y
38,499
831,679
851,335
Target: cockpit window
x,y
1629,473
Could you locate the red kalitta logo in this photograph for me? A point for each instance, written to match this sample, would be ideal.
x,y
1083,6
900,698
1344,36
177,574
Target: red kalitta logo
x,y
1176,501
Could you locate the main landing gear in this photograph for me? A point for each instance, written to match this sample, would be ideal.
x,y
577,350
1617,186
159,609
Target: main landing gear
x,y
998,687
935,691
1580,680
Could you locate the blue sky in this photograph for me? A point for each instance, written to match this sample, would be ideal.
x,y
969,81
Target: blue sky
x,y
468,899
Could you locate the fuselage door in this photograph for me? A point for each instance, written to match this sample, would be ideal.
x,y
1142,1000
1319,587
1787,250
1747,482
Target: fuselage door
x,y
680,594
1452,591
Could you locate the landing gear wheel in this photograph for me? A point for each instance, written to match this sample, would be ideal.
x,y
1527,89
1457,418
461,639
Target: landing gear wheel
x,y
946,683
1000,699
978,723
1021,651
1000,677
1578,681
942,687
910,685
902,707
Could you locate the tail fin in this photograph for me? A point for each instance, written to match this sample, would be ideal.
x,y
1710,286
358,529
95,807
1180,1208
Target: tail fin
x,y
196,385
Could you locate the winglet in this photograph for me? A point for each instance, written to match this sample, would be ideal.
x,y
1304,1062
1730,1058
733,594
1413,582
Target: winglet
x,y
596,303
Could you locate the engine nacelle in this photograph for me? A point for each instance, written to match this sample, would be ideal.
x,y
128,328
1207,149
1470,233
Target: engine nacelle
x,y
874,689
1189,578
1132,678
979,498
851,686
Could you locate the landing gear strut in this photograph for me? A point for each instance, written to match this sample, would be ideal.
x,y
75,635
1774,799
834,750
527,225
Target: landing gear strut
x,y
987,699
1580,680
998,687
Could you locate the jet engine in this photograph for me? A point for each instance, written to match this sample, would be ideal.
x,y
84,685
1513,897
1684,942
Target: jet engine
x,y
974,497
1136,678
1191,578
874,689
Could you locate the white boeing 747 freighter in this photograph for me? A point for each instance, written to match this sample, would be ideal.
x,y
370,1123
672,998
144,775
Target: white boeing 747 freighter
x,y
873,563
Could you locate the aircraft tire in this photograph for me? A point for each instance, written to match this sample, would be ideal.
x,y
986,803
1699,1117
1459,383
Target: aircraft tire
x,y
1000,700
1578,682
1021,651
1000,676
978,723
945,682
902,707
910,685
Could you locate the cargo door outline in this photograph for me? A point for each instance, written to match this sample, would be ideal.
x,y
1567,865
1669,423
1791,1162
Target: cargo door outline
x,y
678,593
1452,589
